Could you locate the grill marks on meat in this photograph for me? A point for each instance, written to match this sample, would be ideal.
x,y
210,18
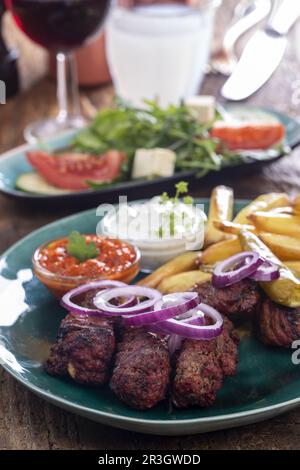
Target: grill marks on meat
x,y
201,366
278,325
238,301
83,349
142,369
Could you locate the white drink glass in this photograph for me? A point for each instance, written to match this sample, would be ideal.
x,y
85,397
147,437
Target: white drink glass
x,y
160,51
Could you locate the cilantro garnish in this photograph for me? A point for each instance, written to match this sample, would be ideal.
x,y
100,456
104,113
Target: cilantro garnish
x,y
181,188
79,248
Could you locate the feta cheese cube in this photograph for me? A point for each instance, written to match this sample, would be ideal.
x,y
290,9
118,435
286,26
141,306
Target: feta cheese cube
x,y
202,107
153,162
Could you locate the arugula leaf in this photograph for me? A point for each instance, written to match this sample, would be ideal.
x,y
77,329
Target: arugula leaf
x,y
126,129
79,248
89,141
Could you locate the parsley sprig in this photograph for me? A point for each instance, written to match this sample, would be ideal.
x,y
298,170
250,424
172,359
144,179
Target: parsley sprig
x,y
79,248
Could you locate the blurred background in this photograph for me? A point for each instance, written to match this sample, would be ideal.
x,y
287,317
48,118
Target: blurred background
x,y
36,67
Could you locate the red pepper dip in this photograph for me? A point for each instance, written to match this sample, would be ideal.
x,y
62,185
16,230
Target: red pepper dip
x,y
60,271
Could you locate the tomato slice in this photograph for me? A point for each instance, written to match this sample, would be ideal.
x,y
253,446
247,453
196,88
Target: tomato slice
x,y
248,136
72,170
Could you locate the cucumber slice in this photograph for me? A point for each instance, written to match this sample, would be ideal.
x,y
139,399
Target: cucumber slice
x,y
34,183
252,115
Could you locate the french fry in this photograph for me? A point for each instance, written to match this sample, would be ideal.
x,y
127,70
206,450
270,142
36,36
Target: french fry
x,y
231,227
264,202
220,209
286,289
296,204
284,224
283,210
293,266
184,262
183,282
284,247
220,251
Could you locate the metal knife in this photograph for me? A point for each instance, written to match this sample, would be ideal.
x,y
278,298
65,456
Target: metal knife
x,y
263,53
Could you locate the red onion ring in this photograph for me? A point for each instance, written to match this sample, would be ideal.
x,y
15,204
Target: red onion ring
x,y
222,277
174,343
67,303
267,272
191,329
169,306
155,329
102,301
194,316
173,314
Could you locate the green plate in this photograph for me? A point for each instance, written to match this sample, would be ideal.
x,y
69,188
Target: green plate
x,y
14,163
267,382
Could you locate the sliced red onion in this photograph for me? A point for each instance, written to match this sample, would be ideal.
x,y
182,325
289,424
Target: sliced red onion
x,y
174,314
155,329
194,316
267,272
102,285
169,306
192,330
102,301
223,276
174,343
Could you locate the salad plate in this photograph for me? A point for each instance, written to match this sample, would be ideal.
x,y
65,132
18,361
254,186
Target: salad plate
x,y
267,383
13,164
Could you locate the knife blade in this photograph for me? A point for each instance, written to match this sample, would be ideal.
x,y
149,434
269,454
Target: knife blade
x,y
263,53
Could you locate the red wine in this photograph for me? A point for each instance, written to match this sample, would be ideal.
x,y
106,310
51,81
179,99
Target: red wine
x,y
59,24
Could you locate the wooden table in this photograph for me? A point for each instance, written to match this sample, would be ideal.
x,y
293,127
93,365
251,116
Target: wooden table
x,y
27,422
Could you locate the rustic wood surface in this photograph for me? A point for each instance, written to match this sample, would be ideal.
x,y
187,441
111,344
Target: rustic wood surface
x,y
27,422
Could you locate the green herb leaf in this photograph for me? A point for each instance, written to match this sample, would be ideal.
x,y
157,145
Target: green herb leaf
x,y
188,200
79,248
126,129
181,188
164,197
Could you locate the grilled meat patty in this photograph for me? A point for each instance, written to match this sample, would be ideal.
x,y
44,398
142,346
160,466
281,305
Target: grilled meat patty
x,y
142,369
238,301
278,325
200,367
83,349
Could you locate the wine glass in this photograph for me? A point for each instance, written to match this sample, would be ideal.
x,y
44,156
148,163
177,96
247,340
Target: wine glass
x,y
9,76
62,26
